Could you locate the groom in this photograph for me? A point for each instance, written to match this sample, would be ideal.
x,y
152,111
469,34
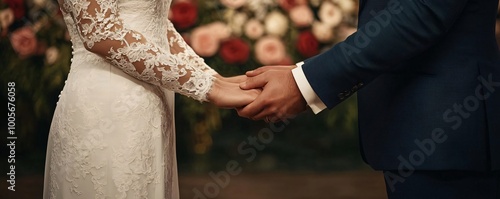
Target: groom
x,y
427,74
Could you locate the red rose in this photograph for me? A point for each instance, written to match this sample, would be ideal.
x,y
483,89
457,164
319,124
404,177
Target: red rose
x,y
307,44
184,14
24,42
18,7
235,51
289,4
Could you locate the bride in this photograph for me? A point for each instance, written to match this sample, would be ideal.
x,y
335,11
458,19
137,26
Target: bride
x,y
112,134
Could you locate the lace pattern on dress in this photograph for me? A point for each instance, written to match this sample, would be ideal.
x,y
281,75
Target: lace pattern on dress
x,y
103,33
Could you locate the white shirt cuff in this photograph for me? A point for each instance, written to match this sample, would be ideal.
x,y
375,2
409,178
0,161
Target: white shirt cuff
x,y
307,91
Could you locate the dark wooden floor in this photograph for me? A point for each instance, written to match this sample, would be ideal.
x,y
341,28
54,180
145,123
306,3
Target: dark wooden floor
x,y
336,185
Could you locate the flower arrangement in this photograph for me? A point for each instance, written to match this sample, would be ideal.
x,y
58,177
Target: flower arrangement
x,y
235,36
262,32
26,25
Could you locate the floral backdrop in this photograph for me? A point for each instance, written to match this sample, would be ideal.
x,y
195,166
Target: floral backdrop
x,y
233,36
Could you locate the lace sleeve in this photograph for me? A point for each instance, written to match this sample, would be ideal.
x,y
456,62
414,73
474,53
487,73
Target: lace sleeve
x,y
104,34
178,44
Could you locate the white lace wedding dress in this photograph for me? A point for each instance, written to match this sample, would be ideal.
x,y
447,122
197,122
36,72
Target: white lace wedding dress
x,y
112,135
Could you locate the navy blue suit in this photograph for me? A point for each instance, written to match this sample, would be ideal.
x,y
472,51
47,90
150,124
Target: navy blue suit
x,y
427,74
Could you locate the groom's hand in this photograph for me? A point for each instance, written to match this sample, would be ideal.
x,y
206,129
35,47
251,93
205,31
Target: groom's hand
x,y
280,98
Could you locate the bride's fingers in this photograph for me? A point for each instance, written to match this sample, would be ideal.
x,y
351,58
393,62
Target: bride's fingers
x,y
236,79
240,98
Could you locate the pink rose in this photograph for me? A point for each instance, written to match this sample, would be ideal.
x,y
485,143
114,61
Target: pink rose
x,y
254,29
221,30
289,4
302,16
24,41
204,42
233,3
270,50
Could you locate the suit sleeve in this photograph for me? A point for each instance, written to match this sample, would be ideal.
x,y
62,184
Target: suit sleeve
x,y
404,29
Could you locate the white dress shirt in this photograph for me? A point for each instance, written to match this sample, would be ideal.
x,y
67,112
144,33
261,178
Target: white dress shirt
x,y
307,91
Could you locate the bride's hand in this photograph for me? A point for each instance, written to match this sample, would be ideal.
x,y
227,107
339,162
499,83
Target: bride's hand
x,y
227,93
235,79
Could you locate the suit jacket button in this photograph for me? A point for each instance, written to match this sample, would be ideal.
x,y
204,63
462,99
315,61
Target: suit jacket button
x,y
348,93
341,96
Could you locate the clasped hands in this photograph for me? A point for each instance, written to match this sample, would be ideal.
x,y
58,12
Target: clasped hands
x,y
268,93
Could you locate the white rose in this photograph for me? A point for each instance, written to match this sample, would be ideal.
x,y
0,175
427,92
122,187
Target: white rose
x,y
260,7
348,6
330,14
236,21
51,55
323,32
6,18
276,23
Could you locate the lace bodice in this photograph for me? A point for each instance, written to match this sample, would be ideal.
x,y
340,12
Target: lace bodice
x,y
96,25
113,133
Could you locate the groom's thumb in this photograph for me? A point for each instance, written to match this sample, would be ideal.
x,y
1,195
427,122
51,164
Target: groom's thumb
x,y
254,82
